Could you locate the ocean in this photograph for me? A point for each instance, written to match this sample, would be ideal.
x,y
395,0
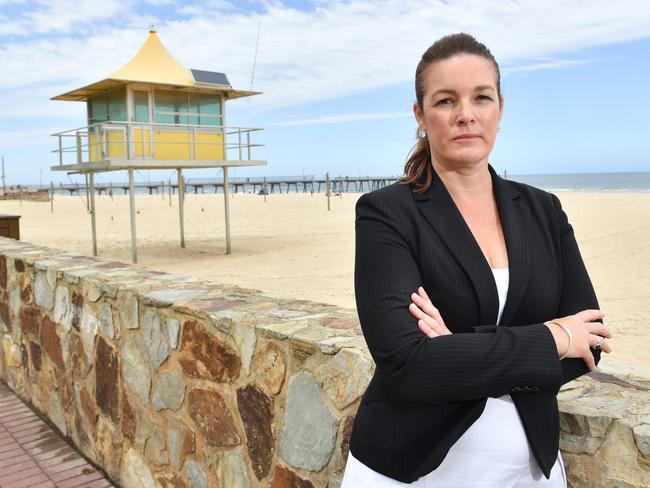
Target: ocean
x,y
575,182
588,182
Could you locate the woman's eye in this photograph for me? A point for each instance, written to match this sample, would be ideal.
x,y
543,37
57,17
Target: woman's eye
x,y
484,97
444,101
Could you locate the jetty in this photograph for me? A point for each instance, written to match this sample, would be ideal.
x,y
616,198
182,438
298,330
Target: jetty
x,y
279,184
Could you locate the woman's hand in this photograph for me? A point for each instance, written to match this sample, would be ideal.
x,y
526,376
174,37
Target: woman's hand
x,y
585,332
429,319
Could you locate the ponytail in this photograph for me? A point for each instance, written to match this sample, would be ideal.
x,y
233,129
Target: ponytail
x,y
418,169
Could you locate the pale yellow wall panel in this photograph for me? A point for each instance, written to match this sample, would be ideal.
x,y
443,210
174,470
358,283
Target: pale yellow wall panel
x,y
115,144
141,143
94,148
171,145
209,147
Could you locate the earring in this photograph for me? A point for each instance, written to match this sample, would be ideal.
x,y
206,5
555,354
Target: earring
x,y
422,134
498,129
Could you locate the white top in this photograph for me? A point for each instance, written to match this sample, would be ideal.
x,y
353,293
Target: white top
x,y
493,452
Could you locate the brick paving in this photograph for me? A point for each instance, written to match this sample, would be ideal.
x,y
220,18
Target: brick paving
x,y
32,455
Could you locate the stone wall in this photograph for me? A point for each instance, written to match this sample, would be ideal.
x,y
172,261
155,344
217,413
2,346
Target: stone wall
x,y
165,380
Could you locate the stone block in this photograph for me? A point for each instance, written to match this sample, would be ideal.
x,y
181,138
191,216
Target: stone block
x,y
156,338
204,356
109,291
170,480
30,321
168,391
180,442
43,294
106,325
196,476
89,329
92,290
128,418
270,367
5,317
88,407
136,370
14,301
129,312
49,267
35,354
26,294
107,379
346,433
63,312
224,319
642,438
51,343
3,272
345,377
135,472
108,444
74,275
309,429
165,297
212,418
174,330
77,309
12,353
280,330
155,449
78,360
256,412
55,412
231,470
284,477
243,335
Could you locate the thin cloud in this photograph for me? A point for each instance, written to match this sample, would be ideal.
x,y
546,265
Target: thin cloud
x,y
43,17
334,49
30,137
557,64
338,119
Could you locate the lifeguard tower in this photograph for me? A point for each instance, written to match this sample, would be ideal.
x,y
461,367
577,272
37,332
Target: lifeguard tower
x,y
153,113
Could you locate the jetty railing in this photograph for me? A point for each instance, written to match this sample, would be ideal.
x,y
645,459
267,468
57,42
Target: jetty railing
x,y
263,184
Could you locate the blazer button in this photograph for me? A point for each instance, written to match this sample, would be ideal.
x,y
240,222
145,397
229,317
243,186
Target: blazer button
x,y
516,389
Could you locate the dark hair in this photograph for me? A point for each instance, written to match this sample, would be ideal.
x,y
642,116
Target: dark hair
x,y
418,169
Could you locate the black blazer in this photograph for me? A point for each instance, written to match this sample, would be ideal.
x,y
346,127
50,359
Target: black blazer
x,y
425,393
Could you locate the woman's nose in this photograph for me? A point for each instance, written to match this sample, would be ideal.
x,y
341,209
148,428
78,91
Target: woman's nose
x,y
465,114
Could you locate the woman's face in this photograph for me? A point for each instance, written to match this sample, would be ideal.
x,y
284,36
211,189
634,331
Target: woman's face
x,y
461,110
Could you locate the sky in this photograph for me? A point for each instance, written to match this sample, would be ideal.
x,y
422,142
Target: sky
x,y
337,77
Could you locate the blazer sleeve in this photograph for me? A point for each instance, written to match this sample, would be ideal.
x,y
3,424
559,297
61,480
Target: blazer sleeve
x,y
455,367
577,290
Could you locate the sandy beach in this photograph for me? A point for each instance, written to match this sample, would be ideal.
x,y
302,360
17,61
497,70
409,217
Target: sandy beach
x,y
291,245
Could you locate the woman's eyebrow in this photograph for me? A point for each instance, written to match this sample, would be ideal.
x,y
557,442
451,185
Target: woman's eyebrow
x,y
443,90
453,92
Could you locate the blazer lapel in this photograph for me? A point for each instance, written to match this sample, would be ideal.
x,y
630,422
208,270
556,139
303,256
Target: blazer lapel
x,y
439,210
515,220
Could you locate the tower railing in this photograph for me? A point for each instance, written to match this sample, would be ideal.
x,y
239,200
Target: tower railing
x,y
150,141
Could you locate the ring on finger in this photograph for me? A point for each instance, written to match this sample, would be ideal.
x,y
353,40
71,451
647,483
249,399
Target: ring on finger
x,y
597,347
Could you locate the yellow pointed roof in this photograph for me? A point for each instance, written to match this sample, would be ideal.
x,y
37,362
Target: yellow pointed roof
x,y
153,64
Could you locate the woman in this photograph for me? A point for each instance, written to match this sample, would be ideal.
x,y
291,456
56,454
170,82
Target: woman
x,y
473,298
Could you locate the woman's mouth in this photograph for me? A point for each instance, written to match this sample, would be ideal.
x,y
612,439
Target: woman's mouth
x,y
466,137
